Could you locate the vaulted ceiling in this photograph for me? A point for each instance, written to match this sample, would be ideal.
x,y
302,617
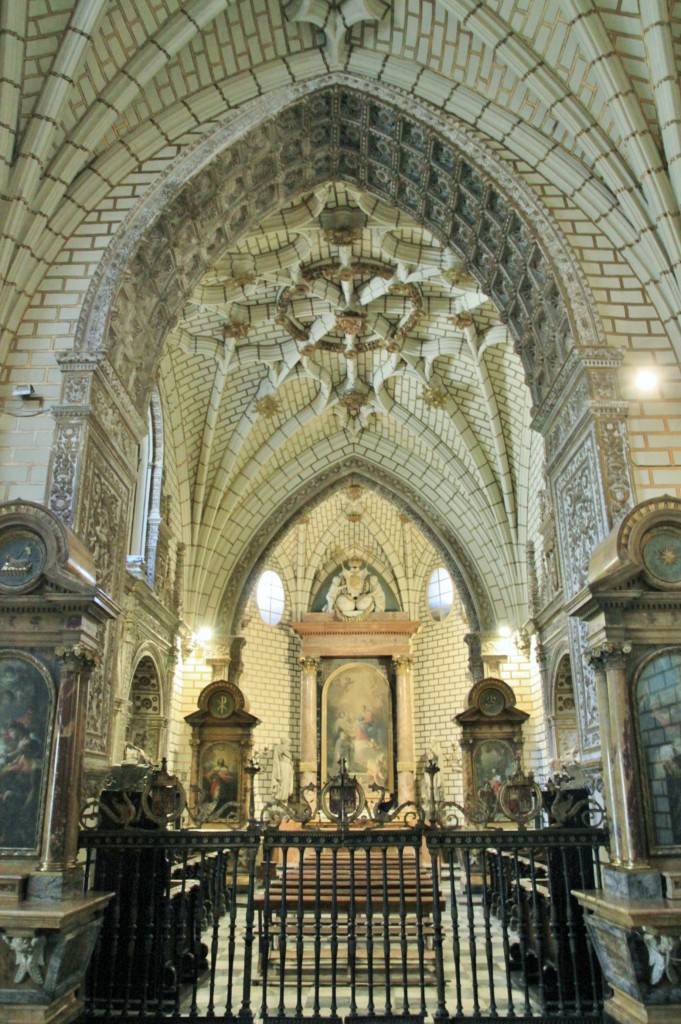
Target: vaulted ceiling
x,y
337,336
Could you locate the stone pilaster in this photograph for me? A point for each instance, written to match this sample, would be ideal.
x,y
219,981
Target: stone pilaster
x,y
309,755
406,763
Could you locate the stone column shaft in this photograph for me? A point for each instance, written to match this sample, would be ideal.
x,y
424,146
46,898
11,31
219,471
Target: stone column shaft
x,y
60,837
406,764
609,767
627,826
309,755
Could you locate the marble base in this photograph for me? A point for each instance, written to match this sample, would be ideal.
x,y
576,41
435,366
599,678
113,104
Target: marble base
x,y
621,1008
672,885
45,948
12,888
632,885
56,885
626,936
62,1011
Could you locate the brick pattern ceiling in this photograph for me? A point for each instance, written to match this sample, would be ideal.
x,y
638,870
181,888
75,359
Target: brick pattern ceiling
x,y
339,329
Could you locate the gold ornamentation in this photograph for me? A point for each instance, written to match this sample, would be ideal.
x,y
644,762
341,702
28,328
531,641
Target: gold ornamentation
x,y
236,329
343,235
267,406
461,322
434,397
667,556
352,323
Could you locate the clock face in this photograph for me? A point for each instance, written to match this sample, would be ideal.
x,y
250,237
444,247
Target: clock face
x,y
221,704
22,556
492,701
662,555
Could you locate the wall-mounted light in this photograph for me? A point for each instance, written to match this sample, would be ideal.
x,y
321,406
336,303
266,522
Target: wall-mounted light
x,y
204,634
23,391
646,380
505,632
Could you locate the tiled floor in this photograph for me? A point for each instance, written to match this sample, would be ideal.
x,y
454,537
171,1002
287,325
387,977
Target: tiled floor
x,y
487,958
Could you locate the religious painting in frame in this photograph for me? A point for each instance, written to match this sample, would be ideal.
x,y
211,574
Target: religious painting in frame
x,y
220,780
493,763
357,725
658,699
26,710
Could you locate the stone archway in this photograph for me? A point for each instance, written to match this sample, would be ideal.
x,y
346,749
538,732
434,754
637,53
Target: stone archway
x,y
146,722
423,164
563,708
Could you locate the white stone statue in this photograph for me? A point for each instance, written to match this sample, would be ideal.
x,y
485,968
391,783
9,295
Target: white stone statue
x,y
282,771
332,594
354,593
376,591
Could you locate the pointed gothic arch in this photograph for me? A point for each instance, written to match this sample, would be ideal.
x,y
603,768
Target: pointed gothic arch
x,y
435,171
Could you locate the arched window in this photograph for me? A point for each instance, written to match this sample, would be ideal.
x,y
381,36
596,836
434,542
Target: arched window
x,y
147,510
138,532
270,597
440,594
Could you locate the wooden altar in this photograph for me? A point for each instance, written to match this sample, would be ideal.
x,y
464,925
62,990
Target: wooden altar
x,y
222,742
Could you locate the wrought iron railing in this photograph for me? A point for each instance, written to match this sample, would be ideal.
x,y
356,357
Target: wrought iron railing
x,y
365,920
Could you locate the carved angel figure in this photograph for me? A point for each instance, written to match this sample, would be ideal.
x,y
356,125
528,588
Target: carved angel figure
x,y
30,957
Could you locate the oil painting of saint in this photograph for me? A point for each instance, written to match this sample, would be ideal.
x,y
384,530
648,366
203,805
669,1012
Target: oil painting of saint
x,y
219,777
25,717
357,725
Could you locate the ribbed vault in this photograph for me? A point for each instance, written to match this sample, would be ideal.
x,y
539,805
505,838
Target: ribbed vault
x,y
345,281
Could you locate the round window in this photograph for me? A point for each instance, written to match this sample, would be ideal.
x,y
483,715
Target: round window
x,y
440,594
270,597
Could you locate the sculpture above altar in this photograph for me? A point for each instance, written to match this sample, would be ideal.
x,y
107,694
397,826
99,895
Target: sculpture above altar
x,y
354,592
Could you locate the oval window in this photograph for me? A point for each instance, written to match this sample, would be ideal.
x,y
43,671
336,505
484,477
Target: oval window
x,y
440,594
270,597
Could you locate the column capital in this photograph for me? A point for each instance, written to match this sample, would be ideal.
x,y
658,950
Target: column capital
x,y
309,664
403,662
608,655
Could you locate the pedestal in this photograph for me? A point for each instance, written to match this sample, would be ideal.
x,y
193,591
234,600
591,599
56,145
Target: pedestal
x,y
45,948
636,941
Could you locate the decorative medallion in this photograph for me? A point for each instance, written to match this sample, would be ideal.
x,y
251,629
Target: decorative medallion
x,y
662,555
221,704
492,701
22,557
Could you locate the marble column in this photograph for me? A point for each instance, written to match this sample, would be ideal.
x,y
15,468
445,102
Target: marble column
x,y
607,747
309,755
406,764
60,837
619,767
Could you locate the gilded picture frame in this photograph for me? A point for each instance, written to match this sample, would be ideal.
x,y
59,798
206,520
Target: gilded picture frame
x,y
357,725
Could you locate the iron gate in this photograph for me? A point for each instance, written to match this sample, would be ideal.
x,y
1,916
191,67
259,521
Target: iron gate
x,y
381,924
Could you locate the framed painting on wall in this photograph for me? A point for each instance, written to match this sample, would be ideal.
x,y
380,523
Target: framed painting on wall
x,y
493,763
26,707
220,774
658,699
357,725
